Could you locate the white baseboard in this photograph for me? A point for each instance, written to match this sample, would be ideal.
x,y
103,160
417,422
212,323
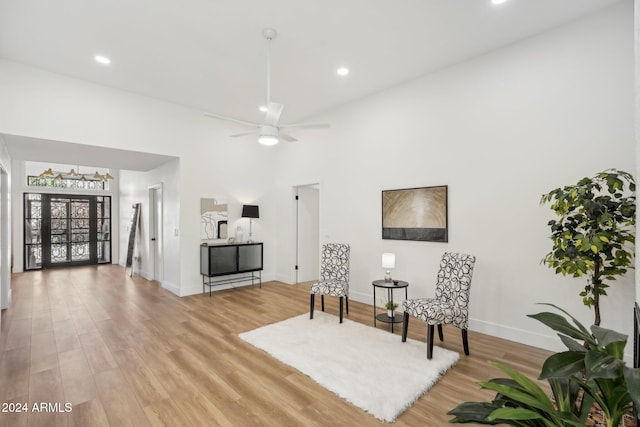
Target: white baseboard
x,y
194,289
171,287
6,304
143,273
548,342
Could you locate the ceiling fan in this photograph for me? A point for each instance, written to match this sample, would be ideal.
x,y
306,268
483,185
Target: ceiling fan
x,y
269,132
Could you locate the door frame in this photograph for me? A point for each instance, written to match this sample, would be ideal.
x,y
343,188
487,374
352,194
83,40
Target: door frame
x,y
5,241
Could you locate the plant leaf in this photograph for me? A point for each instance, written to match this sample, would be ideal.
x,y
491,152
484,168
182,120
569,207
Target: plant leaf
x,y
562,364
572,344
472,412
632,378
532,394
599,365
513,414
614,342
579,325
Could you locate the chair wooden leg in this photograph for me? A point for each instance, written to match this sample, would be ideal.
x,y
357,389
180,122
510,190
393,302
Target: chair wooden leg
x,y
322,300
312,303
341,304
405,326
440,335
430,333
465,342
347,298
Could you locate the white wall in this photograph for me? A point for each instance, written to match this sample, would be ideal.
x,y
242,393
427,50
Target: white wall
x,y
499,130
5,226
134,188
45,105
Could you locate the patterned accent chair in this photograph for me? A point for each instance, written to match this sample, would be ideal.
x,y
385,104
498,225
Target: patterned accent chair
x,y
451,303
334,275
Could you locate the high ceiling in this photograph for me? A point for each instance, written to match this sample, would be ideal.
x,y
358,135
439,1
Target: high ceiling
x,y
210,54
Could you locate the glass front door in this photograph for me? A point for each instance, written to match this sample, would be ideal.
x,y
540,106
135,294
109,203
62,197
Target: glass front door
x,y
71,230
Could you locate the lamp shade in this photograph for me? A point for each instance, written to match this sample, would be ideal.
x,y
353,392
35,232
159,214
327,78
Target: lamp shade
x,y
388,260
250,211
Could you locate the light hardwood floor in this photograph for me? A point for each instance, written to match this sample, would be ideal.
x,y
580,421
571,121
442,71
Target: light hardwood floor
x,y
125,352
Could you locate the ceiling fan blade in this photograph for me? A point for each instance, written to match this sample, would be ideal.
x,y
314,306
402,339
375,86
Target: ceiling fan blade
x,y
273,113
286,137
306,125
231,119
243,134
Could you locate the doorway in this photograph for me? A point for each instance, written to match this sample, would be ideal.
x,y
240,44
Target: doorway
x,y
307,219
66,230
156,253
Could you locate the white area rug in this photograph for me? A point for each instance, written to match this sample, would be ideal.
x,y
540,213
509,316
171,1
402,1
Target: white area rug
x,y
369,367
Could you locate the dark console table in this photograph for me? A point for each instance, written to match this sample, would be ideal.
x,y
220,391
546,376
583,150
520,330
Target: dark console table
x,y
218,260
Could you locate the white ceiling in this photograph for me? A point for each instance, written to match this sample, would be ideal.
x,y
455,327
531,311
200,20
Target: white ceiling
x,y
210,54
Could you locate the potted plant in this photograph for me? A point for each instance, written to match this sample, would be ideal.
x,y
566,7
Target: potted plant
x,y
591,371
390,306
594,234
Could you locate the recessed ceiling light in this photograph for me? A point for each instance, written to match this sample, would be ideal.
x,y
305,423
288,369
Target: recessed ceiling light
x,y
263,108
498,1
102,59
342,71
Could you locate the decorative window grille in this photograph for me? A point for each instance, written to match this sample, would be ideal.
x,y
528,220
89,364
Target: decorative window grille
x,y
68,183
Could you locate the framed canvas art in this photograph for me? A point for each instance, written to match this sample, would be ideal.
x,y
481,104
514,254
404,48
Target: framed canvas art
x,y
213,218
415,214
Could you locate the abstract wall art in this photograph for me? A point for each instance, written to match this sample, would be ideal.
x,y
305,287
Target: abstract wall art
x,y
415,214
213,218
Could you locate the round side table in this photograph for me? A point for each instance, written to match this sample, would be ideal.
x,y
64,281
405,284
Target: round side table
x,y
390,286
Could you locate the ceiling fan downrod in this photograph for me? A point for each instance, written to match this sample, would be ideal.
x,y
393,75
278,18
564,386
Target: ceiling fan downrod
x,y
269,34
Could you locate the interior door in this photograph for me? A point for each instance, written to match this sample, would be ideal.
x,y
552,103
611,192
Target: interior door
x,y
308,233
156,254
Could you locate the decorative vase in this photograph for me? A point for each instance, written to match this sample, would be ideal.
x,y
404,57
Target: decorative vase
x,y
239,234
390,313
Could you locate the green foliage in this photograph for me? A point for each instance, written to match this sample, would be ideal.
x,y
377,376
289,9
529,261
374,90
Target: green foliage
x,y
592,370
390,305
595,232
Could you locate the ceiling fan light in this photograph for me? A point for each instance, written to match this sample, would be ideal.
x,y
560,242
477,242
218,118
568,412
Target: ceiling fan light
x,y
268,140
102,59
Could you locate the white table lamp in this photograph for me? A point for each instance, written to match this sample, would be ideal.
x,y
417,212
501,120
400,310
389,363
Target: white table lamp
x,y
388,262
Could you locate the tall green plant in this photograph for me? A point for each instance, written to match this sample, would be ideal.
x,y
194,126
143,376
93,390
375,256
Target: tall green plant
x,y
592,370
594,234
